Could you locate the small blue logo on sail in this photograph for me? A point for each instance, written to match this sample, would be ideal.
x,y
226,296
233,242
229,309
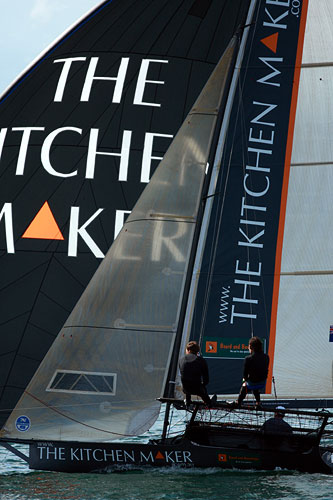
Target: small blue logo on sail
x,y
22,423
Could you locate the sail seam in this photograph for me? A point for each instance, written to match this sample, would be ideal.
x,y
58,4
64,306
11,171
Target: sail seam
x,y
308,164
133,328
317,65
208,112
168,218
306,273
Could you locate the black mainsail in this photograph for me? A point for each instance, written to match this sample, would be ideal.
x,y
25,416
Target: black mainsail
x,y
104,372
81,133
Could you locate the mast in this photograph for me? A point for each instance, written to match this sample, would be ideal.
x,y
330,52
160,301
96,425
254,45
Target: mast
x,y
206,205
170,386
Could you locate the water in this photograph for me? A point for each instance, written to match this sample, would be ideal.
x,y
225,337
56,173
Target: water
x,y
17,482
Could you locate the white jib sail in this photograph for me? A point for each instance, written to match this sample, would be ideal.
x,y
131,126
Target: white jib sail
x,y
303,361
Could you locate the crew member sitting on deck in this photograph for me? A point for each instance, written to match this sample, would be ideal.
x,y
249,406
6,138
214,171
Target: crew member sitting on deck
x,y
194,374
255,372
276,424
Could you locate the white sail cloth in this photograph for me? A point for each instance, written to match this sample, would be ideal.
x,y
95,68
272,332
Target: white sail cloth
x,y
303,361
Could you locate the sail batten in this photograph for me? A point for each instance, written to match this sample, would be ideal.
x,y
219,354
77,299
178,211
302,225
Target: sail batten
x,y
305,273
171,216
128,326
312,164
317,65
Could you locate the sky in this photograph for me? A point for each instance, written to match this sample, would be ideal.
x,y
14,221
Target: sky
x,y
27,27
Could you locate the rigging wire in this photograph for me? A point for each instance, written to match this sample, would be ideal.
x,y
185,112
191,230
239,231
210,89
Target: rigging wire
x,y
223,177
241,118
274,387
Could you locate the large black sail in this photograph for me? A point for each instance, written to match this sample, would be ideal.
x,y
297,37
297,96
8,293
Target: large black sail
x,y
80,135
102,375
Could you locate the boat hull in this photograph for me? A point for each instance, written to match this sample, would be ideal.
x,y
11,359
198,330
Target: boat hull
x,y
96,457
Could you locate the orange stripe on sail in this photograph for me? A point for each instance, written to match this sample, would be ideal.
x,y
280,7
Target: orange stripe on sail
x,y
278,257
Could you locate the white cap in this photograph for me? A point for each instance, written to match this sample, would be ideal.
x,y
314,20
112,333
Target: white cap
x,y
280,408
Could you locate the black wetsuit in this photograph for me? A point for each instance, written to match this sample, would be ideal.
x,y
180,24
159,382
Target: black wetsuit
x,y
194,377
255,372
256,367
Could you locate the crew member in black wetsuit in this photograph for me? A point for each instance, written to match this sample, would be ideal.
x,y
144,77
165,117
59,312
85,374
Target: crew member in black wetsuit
x,y
194,374
255,371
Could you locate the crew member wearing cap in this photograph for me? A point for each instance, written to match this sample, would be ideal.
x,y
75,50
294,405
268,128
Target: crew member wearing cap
x,y
276,424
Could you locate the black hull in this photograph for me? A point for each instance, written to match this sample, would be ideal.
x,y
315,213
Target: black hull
x,y
181,452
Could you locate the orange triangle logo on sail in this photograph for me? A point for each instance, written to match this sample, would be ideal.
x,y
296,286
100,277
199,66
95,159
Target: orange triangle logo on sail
x,y
159,455
44,226
271,41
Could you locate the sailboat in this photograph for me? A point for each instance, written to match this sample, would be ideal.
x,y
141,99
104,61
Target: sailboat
x,y
223,244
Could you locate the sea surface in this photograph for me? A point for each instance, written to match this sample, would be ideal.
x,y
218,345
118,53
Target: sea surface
x,y
17,482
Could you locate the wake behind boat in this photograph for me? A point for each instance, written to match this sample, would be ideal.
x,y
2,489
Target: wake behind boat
x,y
208,253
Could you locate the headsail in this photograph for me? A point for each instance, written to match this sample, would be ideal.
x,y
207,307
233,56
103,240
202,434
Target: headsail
x,y
304,343
267,269
83,130
102,375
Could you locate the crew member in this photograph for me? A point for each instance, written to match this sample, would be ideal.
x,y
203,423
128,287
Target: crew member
x,y
194,374
255,372
276,424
